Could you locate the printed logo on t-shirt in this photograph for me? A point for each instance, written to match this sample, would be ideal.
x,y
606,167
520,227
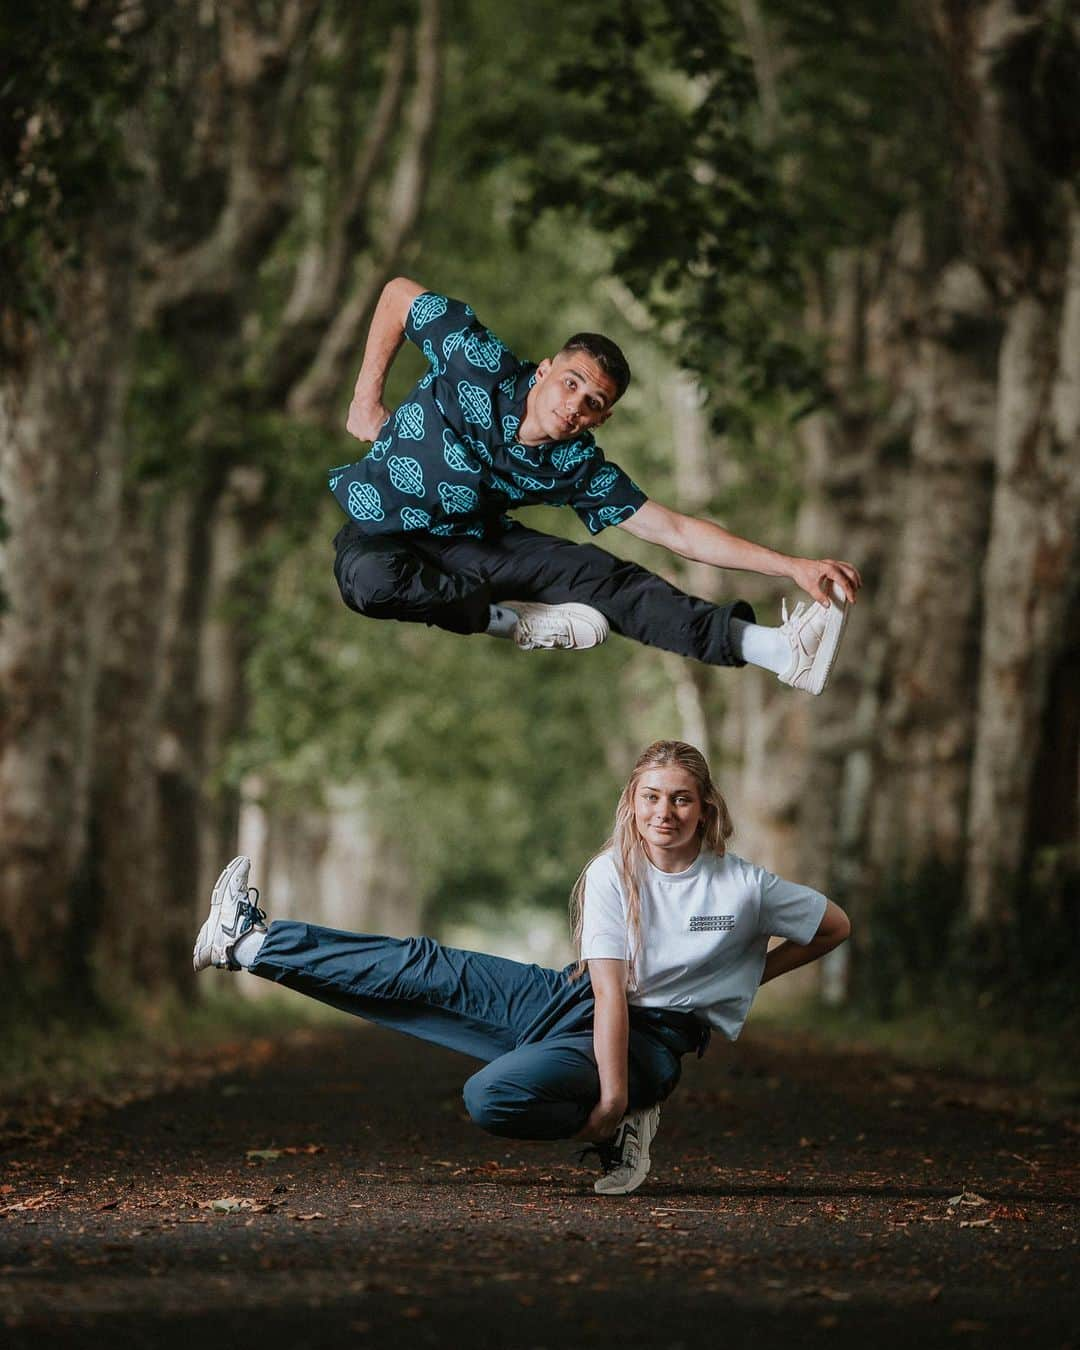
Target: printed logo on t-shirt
x,y
711,923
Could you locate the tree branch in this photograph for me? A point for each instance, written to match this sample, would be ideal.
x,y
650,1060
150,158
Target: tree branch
x,y
312,396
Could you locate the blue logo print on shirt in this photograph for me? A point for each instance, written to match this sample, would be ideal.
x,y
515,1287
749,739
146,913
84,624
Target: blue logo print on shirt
x,y
608,515
409,421
437,368
412,518
484,352
453,341
379,449
455,454
570,455
508,386
520,453
514,493
457,500
428,307
475,403
533,484
406,474
510,424
365,502
477,446
602,481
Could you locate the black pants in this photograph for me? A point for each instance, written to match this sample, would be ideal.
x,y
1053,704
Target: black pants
x,y
452,582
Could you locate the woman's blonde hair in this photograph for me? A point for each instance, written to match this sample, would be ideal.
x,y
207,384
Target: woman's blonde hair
x,y
628,847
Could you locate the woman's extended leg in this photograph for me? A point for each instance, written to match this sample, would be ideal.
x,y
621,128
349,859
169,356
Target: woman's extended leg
x,y
480,1005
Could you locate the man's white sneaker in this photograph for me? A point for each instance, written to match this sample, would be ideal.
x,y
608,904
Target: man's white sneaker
x,y
232,914
626,1160
570,626
814,633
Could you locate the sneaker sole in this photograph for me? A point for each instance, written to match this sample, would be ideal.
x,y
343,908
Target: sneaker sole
x,y
200,953
835,621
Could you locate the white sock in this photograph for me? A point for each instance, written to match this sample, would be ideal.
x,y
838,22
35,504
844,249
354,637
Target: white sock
x,y
502,622
246,949
761,646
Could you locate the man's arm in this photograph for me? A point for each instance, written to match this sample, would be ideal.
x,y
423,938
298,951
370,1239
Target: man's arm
x,y
834,928
611,1044
367,412
705,542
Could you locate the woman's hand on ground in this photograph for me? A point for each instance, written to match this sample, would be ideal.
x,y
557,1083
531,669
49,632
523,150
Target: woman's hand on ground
x,y
603,1121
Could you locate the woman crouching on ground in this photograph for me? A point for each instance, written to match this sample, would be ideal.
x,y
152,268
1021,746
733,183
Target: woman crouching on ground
x,y
672,933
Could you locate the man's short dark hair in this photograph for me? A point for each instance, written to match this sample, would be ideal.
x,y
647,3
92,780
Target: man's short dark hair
x,y
606,355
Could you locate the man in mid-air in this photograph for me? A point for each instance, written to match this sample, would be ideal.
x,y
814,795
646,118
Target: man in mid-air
x,y
428,539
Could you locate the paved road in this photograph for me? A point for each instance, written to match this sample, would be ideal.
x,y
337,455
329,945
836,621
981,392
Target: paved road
x,y
798,1198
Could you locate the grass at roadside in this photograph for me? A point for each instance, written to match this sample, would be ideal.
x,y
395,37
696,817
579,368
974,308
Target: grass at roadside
x,y
50,1067
1040,1059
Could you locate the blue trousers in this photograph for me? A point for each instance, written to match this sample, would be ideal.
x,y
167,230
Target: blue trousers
x,y
532,1027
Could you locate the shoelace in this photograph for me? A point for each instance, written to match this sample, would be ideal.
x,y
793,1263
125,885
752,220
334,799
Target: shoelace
x,y
610,1156
552,639
249,909
796,614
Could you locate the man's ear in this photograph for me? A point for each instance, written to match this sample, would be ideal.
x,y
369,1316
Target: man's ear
x,y
543,368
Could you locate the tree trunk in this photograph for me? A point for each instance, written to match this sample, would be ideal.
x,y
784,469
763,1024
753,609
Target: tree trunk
x,y
60,479
1030,579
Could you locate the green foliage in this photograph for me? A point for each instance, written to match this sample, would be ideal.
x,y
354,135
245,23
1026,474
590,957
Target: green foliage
x,y
492,769
69,75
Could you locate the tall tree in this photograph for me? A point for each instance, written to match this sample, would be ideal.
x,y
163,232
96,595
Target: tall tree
x,y
256,190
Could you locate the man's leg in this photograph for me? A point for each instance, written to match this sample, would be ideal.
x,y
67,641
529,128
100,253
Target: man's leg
x,y
397,577
525,564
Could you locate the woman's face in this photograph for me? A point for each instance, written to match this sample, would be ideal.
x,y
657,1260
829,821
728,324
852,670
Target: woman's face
x,y
667,812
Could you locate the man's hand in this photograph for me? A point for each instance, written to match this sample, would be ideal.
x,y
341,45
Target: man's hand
x,y
603,1121
365,419
814,574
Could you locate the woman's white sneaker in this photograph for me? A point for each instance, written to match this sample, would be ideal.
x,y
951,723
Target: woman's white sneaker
x,y
233,913
628,1163
814,632
570,627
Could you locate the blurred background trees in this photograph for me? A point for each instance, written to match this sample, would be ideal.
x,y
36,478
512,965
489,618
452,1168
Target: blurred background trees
x,y
841,246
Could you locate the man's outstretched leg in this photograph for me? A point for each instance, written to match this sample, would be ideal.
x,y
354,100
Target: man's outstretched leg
x,y
640,605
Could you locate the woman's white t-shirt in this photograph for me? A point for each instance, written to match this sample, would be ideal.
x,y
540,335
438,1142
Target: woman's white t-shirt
x,y
704,931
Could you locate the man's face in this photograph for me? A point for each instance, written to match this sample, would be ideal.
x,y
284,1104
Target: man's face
x,y
572,394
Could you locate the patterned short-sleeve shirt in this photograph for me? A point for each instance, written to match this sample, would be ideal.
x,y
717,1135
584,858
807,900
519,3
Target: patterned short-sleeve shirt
x,y
448,461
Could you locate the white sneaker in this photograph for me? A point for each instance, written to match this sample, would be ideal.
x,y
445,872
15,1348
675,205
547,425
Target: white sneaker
x,y
232,914
814,633
628,1164
570,626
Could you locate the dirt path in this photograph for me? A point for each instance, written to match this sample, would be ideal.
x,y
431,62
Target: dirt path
x,y
798,1198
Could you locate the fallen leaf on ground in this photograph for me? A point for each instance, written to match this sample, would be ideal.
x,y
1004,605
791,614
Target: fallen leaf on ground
x,y
967,1200
263,1154
305,1218
31,1202
230,1204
